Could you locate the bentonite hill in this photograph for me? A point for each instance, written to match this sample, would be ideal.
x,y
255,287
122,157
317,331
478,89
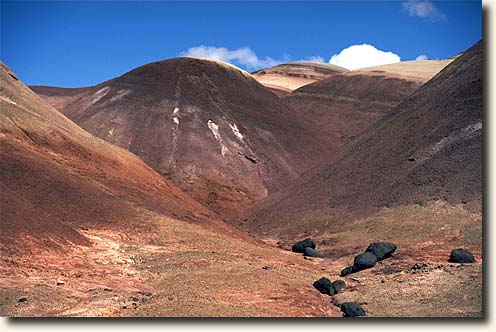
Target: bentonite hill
x,y
189,187
209,127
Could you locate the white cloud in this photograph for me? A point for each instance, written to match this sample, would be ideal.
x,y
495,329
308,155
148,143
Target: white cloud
x,y
422,57
244,56
423,9
316,58
361,56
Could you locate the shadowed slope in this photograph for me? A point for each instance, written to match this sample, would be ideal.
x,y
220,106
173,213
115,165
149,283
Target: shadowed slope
x,y
343,106
427,148
209,127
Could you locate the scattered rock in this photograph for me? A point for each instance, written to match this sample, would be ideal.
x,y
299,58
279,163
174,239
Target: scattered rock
x,y
107,289
461,256
22,299
134,299
346,271
266,267
338,286
364,261
311,252
145,293
352,309
308,258
301,245
60,282
324,286
381,250
419,267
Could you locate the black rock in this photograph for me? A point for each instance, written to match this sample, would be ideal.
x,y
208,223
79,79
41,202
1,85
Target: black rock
x,y
381,250
145,293
461,256
324,286
134,299
352,309
338,286
346,271
364,261
22,299
301,245
311,252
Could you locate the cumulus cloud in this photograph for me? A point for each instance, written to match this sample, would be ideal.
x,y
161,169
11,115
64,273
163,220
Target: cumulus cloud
x,y
244,56
422,57
361,56
424,9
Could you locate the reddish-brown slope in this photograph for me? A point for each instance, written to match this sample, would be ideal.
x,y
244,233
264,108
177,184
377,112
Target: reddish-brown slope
x,y
78,209
209,127
426,148
343,106
56,178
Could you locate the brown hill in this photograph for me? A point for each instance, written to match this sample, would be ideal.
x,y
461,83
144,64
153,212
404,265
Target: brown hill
x,y
285,78
56,178
422,70
344,105
384,184
210,128
87,229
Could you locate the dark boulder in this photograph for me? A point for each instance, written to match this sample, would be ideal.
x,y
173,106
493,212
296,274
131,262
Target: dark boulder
x,y
364,261
301,245
352,309
324,286
381,250
22,299
346,271
311,252
461,256
338,286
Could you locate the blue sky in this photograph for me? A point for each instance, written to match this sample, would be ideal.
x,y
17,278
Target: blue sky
x,y
74,44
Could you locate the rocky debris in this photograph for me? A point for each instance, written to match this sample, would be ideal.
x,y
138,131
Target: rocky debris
x,y
338,286
364,261
324,286
22,299
145,293
381,250
60,282
266,267
419,267
352,309
346,271
301,245
311,252
461,256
